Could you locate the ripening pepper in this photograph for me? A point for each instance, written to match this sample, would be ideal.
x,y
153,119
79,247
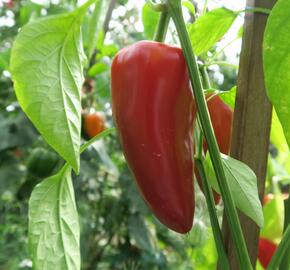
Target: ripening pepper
x,y
221,116
93,123
153,105
266,251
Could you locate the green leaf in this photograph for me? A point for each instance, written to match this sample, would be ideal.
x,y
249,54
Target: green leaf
x,y
29,11
93,27
259,266
108,50
277,136
47,70
150,21
276,55
98,68
243,185
210,28
53,224
4,59
240,32
229,97
190,6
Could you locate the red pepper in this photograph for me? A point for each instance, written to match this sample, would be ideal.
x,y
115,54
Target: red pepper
x,y
152,106
222,119
266,251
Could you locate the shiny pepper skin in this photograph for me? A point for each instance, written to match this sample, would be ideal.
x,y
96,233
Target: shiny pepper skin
x,y
152,106
266,251
221,116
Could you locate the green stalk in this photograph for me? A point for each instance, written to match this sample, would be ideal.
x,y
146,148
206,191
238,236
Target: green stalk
x,y
204,7
256,9
231,212
213,216
101,135
156,7
160,34
281,251
207,190
206,81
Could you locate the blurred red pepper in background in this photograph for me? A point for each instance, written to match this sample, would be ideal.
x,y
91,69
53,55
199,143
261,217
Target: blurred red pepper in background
x,y
222,120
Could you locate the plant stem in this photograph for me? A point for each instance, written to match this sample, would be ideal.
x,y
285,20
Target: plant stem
x,y
198,139
204,7
97,137
281,250
156,7
206,187
160,34
285,261
231,212
256,9
213,216
215,54
206,81
222,63
108,16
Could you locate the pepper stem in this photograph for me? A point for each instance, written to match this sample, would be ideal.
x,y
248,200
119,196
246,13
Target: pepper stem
x,y
160,34
212,214
199,162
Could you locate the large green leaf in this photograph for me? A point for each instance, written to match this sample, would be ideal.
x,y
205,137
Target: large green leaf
x,y
276,55
53,224
47,70
209,28
243,185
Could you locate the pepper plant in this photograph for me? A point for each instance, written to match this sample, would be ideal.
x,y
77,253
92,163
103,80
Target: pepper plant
x,y
48,63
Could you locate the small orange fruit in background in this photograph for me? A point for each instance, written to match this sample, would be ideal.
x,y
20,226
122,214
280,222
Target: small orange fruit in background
x,y
94,123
